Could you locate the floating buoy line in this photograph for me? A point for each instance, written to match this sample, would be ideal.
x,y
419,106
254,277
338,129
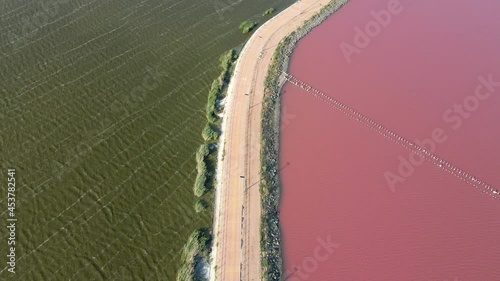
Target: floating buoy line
x,y
387,133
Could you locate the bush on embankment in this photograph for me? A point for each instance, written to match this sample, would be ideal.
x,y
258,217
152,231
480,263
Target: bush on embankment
x,y
219,85
200,206
212,101
247,26
270,183
268,12
206,157
196,248
196,252
209,133
202,152
200,187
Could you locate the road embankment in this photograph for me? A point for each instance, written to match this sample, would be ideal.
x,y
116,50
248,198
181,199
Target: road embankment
x,y
270,183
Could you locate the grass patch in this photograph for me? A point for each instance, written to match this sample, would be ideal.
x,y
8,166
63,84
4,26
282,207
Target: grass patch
x,y
247,26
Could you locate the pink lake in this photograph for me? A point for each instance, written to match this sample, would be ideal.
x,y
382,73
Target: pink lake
x,y
424,64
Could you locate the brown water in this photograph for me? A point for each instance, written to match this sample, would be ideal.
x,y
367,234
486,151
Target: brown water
x,y
102,104
431,225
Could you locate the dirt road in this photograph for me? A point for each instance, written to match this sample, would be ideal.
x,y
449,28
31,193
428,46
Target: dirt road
x,y
236,252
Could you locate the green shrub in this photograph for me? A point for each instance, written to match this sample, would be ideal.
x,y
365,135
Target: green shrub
x,y
209,133
199,185
197,246
216,89
213,95
201,167
247,26
268,12
202,152
201,206
227,59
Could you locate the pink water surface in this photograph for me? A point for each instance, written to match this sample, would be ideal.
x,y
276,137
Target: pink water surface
x,y
432,227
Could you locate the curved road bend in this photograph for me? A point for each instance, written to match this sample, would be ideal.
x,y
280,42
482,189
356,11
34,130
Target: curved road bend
x,y
237,214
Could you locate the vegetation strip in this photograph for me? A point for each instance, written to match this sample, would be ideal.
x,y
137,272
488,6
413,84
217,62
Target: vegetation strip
x,y
206,155
272,261
196,252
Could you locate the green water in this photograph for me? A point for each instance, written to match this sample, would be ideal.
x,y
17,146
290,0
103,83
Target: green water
x,y
101,108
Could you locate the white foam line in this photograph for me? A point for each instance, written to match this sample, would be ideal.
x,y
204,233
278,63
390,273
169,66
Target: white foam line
x,y
411,146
